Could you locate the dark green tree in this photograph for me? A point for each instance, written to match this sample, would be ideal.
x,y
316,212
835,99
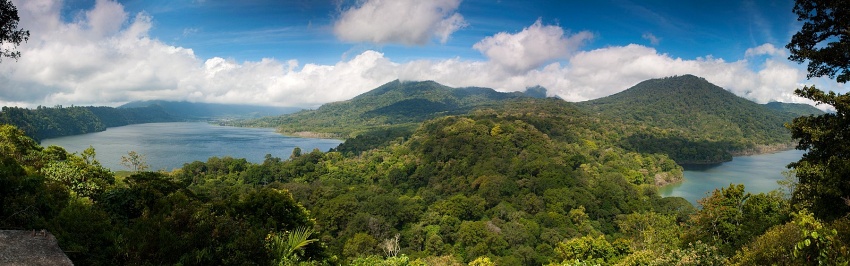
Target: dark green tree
x,y
823,41
9,31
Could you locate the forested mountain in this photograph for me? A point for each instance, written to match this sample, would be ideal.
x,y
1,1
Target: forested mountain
x,y
207,111
395,104
50,122
693,120
797,109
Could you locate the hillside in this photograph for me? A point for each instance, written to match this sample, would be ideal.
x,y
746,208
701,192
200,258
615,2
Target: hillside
x,y
693,120
207,111
50,122
797,109
395,104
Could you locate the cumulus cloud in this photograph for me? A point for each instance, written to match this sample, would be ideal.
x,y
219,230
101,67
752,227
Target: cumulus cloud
x,y
764,49
88,62
651,38
531,47
409,22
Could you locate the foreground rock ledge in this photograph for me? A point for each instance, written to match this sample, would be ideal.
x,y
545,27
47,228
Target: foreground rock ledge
x,y
22,247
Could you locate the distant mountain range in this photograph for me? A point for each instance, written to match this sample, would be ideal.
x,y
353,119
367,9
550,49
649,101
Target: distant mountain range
x,y
212,111
795,109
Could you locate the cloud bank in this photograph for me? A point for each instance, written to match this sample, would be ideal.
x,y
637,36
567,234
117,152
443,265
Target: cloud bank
x,y
91,61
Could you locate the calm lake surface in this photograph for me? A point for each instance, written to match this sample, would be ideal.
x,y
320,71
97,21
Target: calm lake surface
x,y
758,173
169,145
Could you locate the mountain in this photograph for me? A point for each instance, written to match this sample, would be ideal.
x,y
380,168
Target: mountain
x,y
797,109
207,111
693,120
394,104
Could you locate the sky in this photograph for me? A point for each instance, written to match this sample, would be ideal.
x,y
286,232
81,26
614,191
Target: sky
x,y
304,53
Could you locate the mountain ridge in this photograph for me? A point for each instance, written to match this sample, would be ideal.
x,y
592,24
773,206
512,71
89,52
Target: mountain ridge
x,y
692,116
207,111
393,104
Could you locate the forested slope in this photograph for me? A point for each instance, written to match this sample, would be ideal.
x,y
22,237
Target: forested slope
x,y
797,109
402,104
693,120
51,122
211,111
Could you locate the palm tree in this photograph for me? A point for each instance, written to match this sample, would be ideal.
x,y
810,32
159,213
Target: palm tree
x,y
285,247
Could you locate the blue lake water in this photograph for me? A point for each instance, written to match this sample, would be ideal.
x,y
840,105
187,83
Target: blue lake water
x,y
169,145
758,173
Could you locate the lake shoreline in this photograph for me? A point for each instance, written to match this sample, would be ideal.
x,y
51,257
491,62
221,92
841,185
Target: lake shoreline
x,y
758,172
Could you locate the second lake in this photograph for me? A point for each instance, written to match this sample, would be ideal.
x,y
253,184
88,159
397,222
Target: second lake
x,y
758,173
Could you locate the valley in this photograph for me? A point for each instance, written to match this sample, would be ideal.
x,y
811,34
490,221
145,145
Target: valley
x,y
448,174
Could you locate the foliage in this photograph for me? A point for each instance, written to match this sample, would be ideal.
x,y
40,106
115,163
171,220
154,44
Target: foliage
x,y
588,249
823,39
823,167
730,217
134,161
10,34
818,244
824,42
82,174
285,247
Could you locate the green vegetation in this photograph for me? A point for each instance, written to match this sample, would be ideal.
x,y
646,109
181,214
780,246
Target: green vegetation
x,y
393,104
533,182
692,120
518,181
823,170
796,109
10,35
46,122
686,118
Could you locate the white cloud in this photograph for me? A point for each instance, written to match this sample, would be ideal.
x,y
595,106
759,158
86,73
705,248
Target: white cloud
x,y
409,22
84,62
764,49
531,47
651,38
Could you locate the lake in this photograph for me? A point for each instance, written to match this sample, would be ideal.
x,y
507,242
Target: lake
x,y
169,145
758,173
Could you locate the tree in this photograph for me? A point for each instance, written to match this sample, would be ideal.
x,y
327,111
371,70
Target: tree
x,y
823,41
9,31
135,161
286,248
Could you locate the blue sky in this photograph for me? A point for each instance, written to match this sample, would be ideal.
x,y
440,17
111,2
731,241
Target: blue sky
x,y
301,29
305,53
